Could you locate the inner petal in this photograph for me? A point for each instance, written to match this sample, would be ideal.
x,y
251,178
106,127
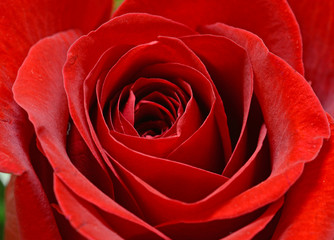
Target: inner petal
x,y
149,106
152,116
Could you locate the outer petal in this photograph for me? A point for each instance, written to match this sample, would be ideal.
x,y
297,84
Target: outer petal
x,y
11,226
296,136
80,217
30,205
272,20
316,23
295,120
39,90
309,209
40,78
29,195
22,24
249,231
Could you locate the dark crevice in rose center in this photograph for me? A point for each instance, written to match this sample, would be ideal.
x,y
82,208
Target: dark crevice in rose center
x,y
151,106
152,119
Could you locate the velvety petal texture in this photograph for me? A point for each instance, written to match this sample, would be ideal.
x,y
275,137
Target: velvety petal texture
x,y
166,123
22,24
309,210
273,21
51,133
315,20
37,70
104,128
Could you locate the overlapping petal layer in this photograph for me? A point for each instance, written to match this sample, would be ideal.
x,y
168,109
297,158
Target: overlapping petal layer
x,y
160,202
22,24
51,133
38,71
315,19
175,125
309,209
272,21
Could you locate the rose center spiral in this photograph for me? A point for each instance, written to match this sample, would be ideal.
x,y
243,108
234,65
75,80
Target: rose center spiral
x,y
151,106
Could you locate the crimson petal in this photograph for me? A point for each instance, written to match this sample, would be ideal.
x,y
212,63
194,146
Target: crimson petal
x,y
34,72
315,19
309,209
249,231
22,24
272,20
51,126
271,73
130,29
287,158
83,220
232,74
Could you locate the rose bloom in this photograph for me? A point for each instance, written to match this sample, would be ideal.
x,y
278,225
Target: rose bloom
x,y
204,119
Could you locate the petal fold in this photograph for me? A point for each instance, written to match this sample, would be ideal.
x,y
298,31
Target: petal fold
x,y
272,20
316,22
308,212
22,24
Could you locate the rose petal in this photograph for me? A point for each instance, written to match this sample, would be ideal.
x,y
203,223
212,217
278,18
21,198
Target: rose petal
x,y
308,115
44,172
117,119
32,73
85,162
125,155
217,229
22,24
298,107
50,119
209,154
95,80
11,230
272,20
205,187
249,231
147,167
80,216
166,50
163,145
243,227
295,138
128,109
129,29
67,230
309,209
92,222
246,143
40,79
27,202
164,189
203,97
232,74
315,19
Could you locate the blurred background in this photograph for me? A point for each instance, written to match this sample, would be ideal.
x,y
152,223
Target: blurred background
x,y
2,208
117,3
4,179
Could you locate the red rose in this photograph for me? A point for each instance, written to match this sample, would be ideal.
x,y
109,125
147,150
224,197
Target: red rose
x,y
173,120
